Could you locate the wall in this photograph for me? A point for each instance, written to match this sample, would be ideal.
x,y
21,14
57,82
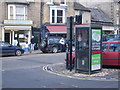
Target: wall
x,y
46,13
70,9
86,18
3,11
34,13
0,33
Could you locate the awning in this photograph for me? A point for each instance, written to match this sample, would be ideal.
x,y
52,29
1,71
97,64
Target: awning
x,y
57,29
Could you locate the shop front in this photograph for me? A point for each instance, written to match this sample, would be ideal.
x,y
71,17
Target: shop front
x,y
108,30
54,30
18,35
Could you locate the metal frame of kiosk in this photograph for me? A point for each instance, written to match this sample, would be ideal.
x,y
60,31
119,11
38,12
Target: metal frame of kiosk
x,y
88,55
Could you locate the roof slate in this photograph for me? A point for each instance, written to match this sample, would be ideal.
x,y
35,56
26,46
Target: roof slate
x,y
78,6
99,16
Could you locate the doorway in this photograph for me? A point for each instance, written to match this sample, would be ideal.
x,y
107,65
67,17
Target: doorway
x,y
7,37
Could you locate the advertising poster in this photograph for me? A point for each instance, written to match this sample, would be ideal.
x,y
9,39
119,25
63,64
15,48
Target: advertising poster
x,y
96,39
96,61
96,47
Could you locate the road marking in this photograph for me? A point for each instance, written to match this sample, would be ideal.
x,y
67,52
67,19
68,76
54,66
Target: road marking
x,y
75,86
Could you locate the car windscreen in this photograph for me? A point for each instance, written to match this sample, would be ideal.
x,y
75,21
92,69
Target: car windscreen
x,y
115,39
4,44
52,40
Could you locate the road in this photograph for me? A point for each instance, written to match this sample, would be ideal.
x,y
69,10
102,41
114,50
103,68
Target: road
x,y
27,72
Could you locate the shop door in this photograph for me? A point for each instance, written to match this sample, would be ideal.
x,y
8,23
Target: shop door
x,y
7,37
82,49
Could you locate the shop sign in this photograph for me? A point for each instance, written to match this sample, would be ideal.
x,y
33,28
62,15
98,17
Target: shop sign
x,y
18,22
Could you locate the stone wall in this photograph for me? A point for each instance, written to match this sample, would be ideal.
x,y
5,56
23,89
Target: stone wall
x,y
0,33
46,13
86,18
34,13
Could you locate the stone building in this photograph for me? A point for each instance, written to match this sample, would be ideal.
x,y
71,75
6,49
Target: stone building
x,y
55,16
20,19
110,7
102,19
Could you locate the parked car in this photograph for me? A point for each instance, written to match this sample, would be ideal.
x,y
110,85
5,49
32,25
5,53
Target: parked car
x,y
52,44
8,49
111,36
114,39
110,54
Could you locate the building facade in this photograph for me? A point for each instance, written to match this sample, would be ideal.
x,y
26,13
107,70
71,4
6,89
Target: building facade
x,y
110,7
18,18
55,15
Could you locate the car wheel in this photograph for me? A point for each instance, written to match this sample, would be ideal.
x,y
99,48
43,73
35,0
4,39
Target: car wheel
x,y
43,44
18,52
54,49
44,51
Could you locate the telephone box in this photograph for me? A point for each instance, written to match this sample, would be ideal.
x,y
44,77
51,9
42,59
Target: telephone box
x,y
88,48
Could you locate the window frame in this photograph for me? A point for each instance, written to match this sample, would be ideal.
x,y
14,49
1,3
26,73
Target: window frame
x,y
56,8
25,15
63,3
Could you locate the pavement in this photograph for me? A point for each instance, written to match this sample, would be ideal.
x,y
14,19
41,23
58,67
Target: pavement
x,y
33,52
106,74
